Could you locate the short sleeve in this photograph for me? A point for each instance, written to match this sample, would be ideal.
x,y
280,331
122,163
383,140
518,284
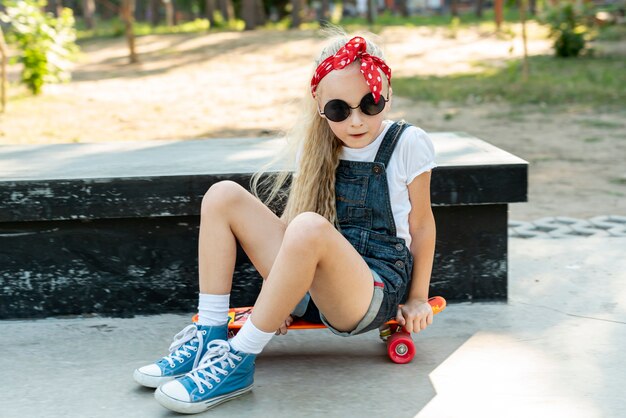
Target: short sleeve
x,y
418,153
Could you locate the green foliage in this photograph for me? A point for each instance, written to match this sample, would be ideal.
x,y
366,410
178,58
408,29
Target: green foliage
x,y
588,81
46,44
567,23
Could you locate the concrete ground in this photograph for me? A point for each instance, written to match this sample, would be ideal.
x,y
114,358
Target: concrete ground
x,y
556,349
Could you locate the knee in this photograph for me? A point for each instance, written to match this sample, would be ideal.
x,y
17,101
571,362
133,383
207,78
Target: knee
x,y
308,230
223,194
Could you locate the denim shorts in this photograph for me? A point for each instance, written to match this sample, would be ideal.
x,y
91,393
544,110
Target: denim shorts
x,y
382,307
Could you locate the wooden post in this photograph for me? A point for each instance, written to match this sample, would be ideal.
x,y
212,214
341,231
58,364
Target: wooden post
x,y
4,55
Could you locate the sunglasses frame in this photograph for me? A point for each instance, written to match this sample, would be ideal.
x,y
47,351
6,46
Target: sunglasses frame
x,y
385,100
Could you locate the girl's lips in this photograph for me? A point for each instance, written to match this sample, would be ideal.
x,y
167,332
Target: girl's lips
x,y
358,135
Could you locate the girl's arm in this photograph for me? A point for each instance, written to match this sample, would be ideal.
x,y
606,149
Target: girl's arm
x,y
416,313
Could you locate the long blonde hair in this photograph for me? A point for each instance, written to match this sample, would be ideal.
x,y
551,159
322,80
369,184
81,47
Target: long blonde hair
x,y
316,148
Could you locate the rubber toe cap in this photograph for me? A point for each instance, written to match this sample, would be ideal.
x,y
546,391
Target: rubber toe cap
x,y
176,390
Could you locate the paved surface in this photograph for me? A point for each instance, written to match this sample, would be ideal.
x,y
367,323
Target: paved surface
x,y
556,349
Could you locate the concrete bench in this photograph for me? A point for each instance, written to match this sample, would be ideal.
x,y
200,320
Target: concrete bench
x,y
113,228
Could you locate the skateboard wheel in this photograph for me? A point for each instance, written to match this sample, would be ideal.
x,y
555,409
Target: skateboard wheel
x,y
400,348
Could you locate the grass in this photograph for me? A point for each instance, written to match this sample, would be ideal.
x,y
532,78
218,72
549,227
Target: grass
x,y
596,81
464,19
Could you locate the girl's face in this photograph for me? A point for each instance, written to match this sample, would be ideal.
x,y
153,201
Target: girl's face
x,y
348,84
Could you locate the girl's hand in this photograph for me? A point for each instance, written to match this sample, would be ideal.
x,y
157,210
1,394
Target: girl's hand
x,y
283,328
415,315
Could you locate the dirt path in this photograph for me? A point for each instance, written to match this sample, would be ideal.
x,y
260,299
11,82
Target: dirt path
x,y
247,84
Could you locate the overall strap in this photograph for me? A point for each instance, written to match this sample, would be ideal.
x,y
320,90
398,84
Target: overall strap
x,y
389,142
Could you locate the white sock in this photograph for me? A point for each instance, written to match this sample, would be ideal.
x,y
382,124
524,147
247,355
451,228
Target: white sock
x,y
213,309
250,339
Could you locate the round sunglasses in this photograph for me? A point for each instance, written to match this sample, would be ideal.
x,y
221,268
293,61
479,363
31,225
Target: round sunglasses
x,y
337,110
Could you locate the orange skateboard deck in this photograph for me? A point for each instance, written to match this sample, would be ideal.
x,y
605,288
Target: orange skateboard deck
x,y
400,346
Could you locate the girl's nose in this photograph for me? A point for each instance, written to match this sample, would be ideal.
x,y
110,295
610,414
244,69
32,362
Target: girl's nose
x,y
356,117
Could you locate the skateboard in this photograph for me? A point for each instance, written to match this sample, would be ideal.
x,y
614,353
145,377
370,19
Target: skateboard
x,y
400,346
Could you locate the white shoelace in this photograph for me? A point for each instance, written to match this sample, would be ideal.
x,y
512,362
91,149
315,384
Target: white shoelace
x,y
179,346
218,352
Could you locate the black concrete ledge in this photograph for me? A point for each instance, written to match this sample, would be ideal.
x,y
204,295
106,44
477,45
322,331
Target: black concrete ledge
x,y
165,178
112,228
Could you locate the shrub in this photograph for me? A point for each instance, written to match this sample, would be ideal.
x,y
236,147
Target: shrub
x,y
568,28
46,43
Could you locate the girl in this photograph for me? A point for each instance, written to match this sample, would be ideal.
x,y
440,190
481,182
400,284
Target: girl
x,y
357,235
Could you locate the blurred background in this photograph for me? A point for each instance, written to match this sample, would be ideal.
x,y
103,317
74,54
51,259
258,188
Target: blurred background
x,y
544,80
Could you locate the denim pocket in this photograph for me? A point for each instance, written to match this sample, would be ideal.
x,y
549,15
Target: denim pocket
x,y
355,216
350,190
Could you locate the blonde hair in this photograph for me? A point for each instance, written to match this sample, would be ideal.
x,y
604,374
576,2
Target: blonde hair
x,y
316,148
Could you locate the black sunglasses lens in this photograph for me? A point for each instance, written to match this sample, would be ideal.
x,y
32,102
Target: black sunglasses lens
x,y
337,110
371,108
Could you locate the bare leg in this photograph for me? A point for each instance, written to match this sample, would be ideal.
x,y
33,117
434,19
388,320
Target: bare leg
x,y
230,213
314,256
309,255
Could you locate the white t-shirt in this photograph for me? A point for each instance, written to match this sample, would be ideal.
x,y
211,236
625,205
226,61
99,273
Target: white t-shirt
x,y
413,155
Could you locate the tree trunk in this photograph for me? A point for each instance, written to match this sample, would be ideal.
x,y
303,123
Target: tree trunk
x,y
296,13
522,16
261,17
89,8
59,8
169,12
154,9
533,7
325,13
479,8
4,56
248,14
498,4
454,8
127,11
210,12
226,8
403,7
372,11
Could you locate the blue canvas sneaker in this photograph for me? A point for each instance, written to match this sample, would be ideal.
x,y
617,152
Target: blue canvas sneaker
x,y
223,374
186,350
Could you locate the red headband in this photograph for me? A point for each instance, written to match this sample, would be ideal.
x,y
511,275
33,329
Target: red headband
x,y
350,52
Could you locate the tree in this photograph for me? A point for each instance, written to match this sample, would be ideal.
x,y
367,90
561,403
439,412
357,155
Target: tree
x,y
252,13
498,5
89,8
4,55
210,12
226,8
45,43
522,15
169,12
479,8
296,13
371,11
127,12
153,12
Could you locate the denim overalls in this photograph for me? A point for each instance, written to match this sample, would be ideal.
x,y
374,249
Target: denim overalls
x,y
366,220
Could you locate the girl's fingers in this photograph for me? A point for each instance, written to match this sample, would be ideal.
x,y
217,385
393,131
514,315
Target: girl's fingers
x,y
400,317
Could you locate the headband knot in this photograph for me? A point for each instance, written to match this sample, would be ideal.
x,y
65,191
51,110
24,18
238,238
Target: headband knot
x,y
355,49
